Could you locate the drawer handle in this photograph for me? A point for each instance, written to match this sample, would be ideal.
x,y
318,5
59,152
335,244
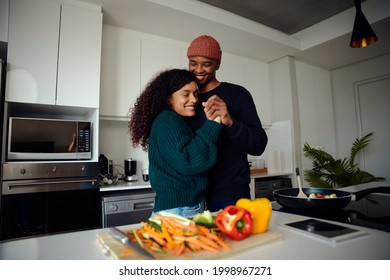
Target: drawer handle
x,y
144,205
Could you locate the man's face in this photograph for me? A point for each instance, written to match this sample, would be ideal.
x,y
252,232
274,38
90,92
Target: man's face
x,y
204,68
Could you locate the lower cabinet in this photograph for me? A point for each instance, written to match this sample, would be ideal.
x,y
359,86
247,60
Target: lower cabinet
x,y
264,186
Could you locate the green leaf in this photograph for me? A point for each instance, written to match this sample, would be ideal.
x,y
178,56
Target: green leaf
x,y
328,172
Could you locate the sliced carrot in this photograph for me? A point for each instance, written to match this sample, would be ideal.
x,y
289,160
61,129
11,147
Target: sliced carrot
x,y
201,244
166,234
179,249
218,239
208,242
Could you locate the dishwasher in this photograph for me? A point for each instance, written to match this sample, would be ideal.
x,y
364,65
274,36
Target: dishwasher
x,y
127,207
264,187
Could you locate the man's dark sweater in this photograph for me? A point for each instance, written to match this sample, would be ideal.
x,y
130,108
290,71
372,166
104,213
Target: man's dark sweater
x,y
230,176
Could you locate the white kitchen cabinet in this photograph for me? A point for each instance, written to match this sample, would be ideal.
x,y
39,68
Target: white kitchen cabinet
x,y
231,69
120,75
4,20
78,81
157,56
53,54
129,62
256,80
251,74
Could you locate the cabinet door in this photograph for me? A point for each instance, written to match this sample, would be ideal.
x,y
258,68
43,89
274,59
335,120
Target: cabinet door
x,y
120,79
231,69
256,80
79,57
157,56
254,76
32,51
4,20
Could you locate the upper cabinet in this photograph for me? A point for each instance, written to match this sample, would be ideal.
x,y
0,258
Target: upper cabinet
x,y
120,78
257,81
4,20
254,76
129,62
157,56
78,81
54,52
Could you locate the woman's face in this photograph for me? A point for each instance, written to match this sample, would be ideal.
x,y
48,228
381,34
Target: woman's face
x,y
184,100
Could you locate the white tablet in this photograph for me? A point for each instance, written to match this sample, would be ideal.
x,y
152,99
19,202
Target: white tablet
x,y
328,232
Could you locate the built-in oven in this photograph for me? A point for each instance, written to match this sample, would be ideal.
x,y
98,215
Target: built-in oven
x,y
127,207
47,198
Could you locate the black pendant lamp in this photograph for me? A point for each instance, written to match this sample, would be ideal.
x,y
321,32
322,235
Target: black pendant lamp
x,y
362,33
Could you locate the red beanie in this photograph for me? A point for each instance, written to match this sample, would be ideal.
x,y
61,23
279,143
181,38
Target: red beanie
x,y
205,46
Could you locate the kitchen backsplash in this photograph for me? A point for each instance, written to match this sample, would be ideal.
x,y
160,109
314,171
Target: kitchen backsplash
x,y
278,154
114,142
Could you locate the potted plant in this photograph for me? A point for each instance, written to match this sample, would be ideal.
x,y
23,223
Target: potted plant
x,y
328,172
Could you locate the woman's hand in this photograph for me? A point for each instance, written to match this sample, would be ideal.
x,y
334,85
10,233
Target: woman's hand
x,y
215,107
217,119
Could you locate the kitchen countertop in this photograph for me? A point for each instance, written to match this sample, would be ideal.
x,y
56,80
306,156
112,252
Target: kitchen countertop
x,y
83,245
268,175
122,185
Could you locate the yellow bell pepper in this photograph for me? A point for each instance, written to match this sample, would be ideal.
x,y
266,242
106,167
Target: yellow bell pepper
x,y
260,209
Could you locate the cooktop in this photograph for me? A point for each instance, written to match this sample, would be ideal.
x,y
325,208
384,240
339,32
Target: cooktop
x,y
372,211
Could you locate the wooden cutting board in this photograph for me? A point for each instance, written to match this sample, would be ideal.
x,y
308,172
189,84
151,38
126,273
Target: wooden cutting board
x,y
118,251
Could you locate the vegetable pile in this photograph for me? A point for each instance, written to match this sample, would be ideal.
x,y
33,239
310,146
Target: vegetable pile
x,y
170,233
167,232
318,195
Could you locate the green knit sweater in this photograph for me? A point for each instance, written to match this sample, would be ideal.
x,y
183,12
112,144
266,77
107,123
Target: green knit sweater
x,y
179,160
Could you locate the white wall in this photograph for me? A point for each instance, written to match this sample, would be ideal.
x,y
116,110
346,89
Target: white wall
x,y
301,93
114,143
315,109
345,111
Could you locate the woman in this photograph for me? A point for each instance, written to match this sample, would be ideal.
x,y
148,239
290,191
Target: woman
x,y
178,158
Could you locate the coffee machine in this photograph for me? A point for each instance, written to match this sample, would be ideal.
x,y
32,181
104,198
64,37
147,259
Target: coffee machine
x,y
130,170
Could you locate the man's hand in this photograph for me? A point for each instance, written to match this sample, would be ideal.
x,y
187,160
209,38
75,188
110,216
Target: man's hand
x,y
215,107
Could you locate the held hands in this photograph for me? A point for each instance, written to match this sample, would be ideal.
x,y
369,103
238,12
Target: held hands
x,y
215,109
217,119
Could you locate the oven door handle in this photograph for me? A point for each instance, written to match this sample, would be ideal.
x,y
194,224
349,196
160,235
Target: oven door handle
x,y
34,186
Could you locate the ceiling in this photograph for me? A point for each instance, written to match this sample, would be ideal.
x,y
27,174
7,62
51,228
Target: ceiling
x,y
287,16
313,31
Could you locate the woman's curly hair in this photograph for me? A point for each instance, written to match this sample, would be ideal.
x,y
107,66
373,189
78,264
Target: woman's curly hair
x,y
153,100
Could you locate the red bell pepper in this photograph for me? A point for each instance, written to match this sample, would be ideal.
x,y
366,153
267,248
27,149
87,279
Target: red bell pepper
x,y
235,222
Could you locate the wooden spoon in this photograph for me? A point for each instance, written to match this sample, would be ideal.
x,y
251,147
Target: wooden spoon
x,y
301,194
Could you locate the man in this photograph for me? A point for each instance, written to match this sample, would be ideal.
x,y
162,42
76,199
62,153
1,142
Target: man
x,y
242,133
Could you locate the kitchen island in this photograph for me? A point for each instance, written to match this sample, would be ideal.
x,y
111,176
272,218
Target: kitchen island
x,y
83,245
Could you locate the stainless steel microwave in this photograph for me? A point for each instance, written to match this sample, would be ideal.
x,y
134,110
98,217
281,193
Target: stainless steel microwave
x,y
48,139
